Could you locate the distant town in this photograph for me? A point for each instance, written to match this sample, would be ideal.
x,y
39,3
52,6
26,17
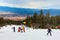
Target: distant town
x,y
6,15
16,18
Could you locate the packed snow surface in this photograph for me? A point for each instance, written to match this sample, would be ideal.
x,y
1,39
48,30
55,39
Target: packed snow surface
x,y
6,33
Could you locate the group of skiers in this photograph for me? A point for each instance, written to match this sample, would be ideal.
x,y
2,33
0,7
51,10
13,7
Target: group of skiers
x,y
20,29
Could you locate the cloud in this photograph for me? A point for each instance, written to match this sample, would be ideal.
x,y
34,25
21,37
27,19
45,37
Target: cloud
x,y
39,4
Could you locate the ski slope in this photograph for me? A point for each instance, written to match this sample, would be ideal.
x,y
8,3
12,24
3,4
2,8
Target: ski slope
x,y
6,33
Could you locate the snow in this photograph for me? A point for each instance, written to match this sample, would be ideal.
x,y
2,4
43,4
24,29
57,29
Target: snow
x,y
6,33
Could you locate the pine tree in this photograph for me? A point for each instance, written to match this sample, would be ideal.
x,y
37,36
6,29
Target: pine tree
x,y
47,18
41,19
34,18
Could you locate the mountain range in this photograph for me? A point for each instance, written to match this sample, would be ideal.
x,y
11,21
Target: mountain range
x,y
26,11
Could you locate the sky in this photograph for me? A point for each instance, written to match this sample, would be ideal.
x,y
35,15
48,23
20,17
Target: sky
x,y
35,4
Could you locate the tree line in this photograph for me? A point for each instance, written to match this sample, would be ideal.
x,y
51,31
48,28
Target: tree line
x,y
37,21
41,20
4,22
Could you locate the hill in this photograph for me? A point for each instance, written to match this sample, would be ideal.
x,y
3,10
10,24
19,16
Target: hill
x,y
27,11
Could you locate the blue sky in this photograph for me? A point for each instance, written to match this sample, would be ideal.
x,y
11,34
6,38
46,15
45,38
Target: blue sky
x,y
33,4
37,4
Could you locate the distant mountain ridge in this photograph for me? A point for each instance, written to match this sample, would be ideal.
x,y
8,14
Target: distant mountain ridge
x,y
18,11
27,11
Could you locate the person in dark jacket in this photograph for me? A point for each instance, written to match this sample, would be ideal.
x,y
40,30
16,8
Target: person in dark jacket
x,y
13,29
49,31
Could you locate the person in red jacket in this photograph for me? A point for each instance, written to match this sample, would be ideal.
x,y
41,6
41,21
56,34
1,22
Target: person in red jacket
x,y
19,29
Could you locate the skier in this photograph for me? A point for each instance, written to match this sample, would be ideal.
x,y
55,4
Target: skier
x,y
13,29
19,29
23,28
49,31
